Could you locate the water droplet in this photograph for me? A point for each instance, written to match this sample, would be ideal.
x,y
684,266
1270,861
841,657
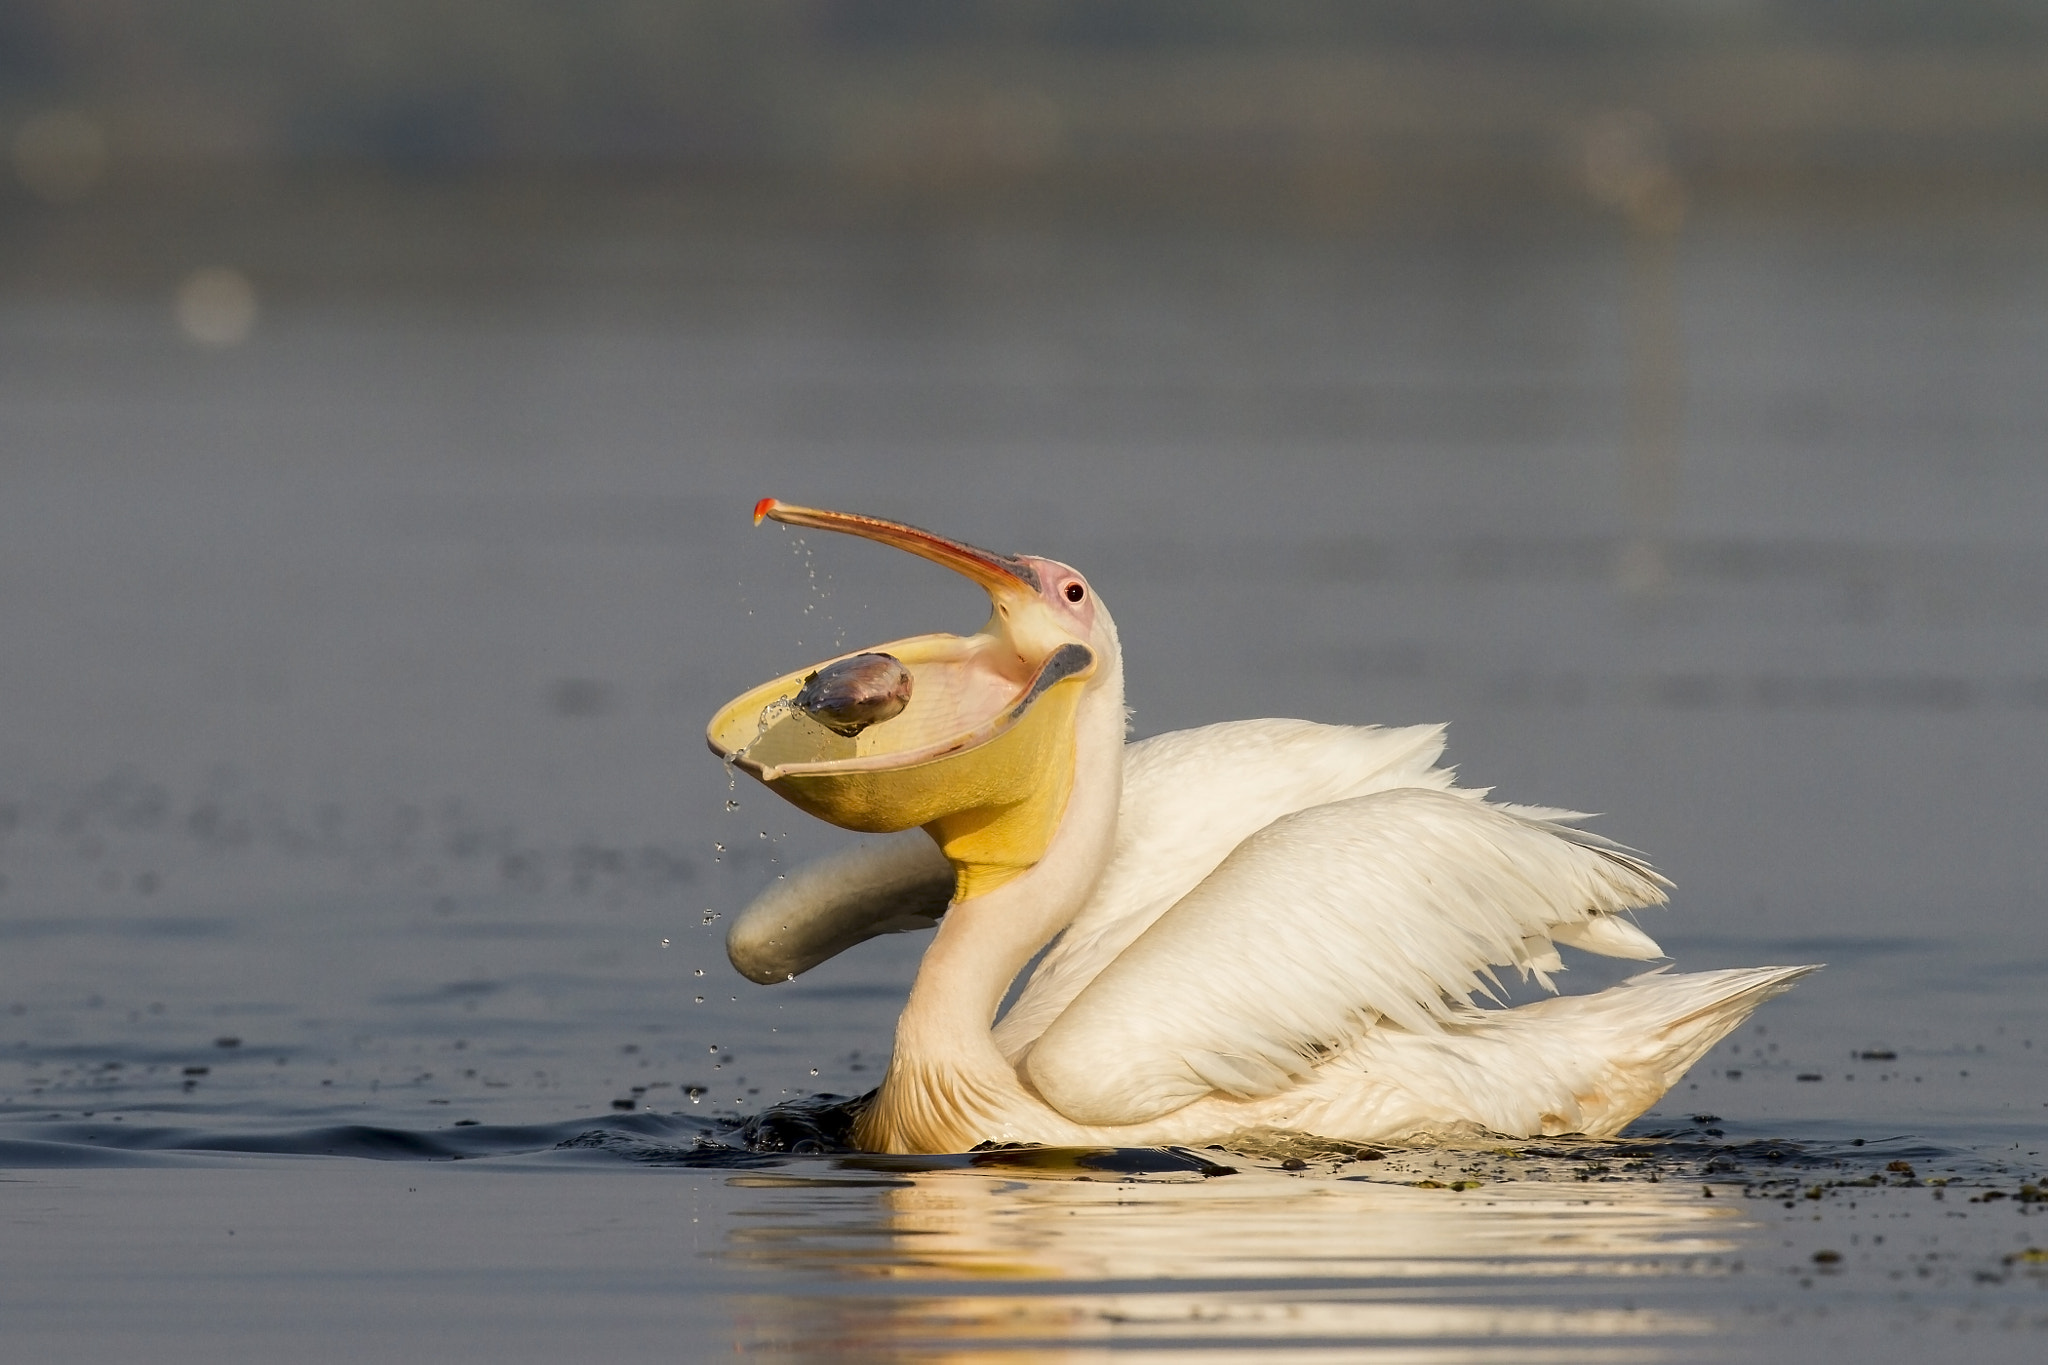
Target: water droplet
x,y
664,943
710,915
814,1071
697,999
698,972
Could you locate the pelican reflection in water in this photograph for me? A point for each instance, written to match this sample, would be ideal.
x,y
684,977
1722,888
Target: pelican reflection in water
x,y
1259,926
987,1265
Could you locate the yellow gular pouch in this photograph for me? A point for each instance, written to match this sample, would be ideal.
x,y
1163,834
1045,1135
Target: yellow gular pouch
x,y
982,762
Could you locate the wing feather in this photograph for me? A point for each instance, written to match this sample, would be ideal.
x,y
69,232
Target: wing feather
x,y
1389,906
1190,797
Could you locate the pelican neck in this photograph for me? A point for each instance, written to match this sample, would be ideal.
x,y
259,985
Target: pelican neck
x,y
983,942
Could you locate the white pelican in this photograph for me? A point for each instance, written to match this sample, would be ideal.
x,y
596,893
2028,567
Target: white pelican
x,y
1260,926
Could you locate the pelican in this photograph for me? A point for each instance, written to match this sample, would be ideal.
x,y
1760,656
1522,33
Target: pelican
x,y
1257,927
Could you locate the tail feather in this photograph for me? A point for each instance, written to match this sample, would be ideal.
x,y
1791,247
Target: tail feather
x,y
1573,1064
1650,1030
1714,1004
1729,996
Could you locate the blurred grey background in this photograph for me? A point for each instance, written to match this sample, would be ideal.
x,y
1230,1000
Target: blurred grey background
x,y
1317,101
1652,388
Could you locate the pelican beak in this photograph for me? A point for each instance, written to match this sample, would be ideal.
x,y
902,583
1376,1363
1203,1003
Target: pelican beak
x,y
975,737
1000,574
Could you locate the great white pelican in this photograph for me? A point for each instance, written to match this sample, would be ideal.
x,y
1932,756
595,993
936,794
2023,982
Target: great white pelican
x,y
1258,926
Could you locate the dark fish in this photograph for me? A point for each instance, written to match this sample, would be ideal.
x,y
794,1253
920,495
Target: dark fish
x,y
851,694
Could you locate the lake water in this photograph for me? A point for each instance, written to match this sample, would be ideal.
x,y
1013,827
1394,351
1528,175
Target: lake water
x,y
355,815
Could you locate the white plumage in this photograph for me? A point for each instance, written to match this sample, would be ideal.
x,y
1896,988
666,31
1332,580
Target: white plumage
x,y
1259,925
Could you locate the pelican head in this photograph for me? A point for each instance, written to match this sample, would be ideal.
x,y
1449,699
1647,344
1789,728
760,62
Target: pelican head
x,y
969,737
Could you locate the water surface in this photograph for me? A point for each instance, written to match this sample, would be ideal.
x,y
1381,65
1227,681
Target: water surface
x,y
364,873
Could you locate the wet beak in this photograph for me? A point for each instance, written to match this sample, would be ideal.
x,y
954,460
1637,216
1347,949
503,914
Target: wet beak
x,y
1003,576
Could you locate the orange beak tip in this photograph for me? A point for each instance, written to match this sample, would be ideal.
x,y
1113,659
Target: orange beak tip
x,y
762,508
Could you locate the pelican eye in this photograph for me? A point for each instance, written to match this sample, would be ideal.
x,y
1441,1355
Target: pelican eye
x,y
1075,592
